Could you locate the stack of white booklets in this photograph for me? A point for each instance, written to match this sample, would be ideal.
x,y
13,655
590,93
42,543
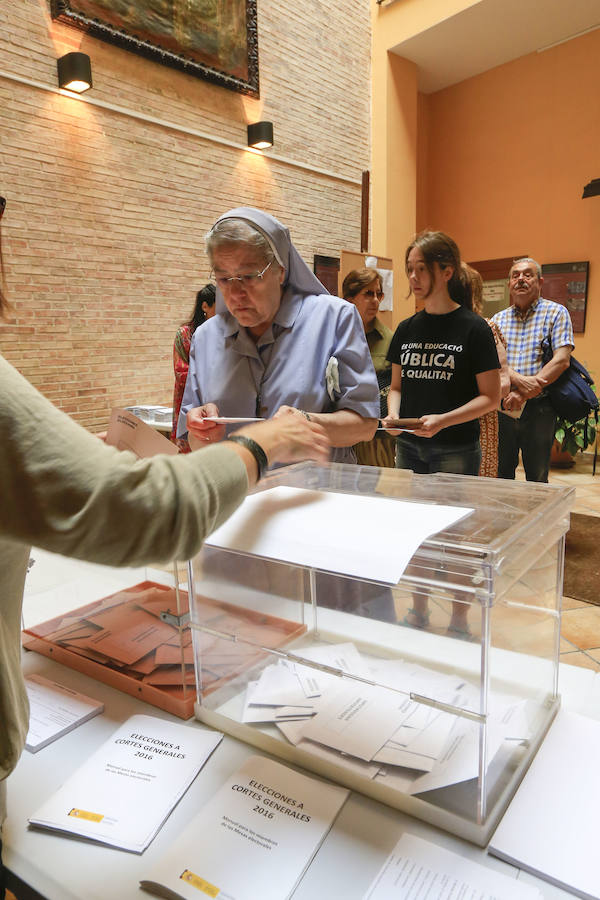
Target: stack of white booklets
x,y
253,840
551,825
124,792
55,710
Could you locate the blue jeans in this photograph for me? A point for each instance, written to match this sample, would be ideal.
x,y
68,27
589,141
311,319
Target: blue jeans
x,y
424,456
532,434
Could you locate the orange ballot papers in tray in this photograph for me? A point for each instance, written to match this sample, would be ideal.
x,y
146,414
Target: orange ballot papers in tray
x,y
128,787
254,838
133,641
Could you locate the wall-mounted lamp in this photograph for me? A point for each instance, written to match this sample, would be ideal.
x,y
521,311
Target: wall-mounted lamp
x,y
74,72
260,135
592,189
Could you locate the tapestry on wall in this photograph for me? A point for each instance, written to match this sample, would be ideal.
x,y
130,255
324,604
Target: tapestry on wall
x,y
212,39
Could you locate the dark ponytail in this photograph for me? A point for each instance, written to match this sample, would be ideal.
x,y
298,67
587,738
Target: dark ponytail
x,y
459,288
437,247
205,295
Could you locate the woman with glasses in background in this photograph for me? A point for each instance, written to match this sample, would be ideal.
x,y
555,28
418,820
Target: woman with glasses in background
x,y
279,344
364,288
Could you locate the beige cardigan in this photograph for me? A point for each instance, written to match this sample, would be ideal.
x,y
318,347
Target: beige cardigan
x,y
64,490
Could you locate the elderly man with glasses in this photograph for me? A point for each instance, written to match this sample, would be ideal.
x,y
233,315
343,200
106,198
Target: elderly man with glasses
x,y
279,343
528,420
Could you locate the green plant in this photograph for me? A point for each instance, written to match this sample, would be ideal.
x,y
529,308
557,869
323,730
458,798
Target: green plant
x,y
574,436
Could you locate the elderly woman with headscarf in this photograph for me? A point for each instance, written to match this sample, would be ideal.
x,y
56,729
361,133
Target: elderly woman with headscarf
x,y
279,343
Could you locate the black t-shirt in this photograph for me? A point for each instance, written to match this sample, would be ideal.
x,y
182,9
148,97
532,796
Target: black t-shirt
x,y
441,355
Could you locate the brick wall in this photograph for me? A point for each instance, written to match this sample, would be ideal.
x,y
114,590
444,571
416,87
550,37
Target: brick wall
x,y
103,233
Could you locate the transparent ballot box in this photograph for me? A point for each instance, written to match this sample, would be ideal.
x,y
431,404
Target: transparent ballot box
x,y
396,633
128,629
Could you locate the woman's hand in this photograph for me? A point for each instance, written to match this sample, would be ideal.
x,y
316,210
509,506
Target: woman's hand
x,y
390,423
284,440
429,426
289,410
200,432
289,438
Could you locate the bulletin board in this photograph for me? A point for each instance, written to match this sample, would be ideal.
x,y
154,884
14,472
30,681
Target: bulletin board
x,y
567,283
385,268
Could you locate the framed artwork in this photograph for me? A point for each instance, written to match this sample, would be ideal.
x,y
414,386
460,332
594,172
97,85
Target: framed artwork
x,y
567,283
212,39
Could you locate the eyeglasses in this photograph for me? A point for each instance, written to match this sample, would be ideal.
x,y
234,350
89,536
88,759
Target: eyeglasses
x,y
373,294
2,206
251,279
527,275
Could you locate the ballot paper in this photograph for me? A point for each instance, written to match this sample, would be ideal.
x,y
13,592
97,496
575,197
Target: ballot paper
x,y
382,733
254,838
291,683
272,712
302,527
231,420
459,760
127,432
358,720
54,710
124,792
417,869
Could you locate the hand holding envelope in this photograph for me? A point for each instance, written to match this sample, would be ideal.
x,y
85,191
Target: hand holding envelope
x,y
203,424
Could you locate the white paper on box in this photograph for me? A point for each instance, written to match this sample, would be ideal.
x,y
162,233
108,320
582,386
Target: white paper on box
x,y
124,792
303,527
418,869
253,839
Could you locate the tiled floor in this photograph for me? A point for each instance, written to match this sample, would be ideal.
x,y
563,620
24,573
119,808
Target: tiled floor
x,y
580,632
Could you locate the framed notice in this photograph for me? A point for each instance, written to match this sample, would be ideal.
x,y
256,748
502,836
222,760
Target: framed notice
x,y
495,282
567,283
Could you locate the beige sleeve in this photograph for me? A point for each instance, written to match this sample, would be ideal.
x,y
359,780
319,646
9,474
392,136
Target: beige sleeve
x,y
66,491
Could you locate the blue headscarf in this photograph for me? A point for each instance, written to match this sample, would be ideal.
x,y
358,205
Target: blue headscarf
x,y
297,274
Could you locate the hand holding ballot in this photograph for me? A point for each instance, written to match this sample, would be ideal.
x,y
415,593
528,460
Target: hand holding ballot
x,y
283,439
396,426
201,425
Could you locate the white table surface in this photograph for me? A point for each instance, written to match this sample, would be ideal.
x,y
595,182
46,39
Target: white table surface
x,y
62,868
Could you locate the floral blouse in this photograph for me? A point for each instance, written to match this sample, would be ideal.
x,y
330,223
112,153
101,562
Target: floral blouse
x,y
181,359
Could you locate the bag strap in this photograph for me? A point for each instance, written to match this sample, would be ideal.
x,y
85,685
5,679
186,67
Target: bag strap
x,y
595,445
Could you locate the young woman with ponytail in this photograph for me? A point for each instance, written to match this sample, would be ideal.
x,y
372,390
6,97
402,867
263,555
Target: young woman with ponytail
x,y
445,372
445,368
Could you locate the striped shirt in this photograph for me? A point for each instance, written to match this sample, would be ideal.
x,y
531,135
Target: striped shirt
x,y
524,333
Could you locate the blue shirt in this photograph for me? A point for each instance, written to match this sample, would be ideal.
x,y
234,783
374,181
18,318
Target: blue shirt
x,y
309,337
524,333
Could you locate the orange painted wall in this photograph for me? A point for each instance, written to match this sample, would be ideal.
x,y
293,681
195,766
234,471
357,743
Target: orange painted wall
x,y
504,156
